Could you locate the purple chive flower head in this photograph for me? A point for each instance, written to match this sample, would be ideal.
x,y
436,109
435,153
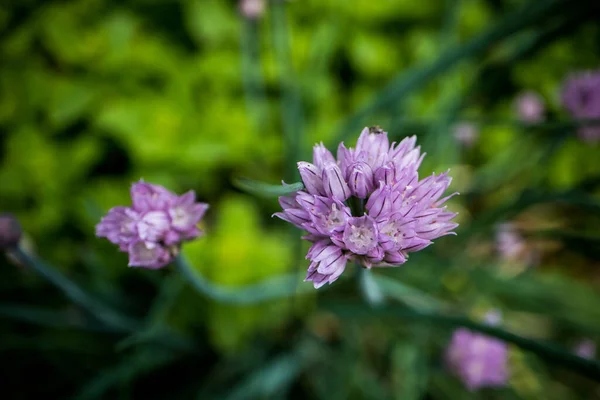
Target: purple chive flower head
x,y
366,205
478,360
530,107
156,224
581,97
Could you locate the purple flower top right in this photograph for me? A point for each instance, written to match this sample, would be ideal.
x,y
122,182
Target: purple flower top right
x,y
581,98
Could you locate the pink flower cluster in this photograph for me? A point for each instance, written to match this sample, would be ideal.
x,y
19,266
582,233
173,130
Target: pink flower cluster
x,y
152,229
368,205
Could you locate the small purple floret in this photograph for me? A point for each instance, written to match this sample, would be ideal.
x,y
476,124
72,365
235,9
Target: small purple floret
x,y
478,360
395,213
153,228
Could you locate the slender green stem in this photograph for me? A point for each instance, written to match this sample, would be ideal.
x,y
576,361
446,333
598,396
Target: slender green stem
x,y
292,114
548,351
408,295
74,293
49,317
155,325
369,286
273,288
254,86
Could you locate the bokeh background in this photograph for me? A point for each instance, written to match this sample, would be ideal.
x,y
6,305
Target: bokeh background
x,y
192,94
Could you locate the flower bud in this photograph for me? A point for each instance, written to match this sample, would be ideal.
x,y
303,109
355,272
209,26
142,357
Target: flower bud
x,y
322,156
311,177
360,179
334,183
10,231
373,141
386,173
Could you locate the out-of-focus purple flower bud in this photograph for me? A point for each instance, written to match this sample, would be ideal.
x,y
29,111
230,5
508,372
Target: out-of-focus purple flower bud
x,y
530,107
466,133
586,348
478,360
252,9
10,231
581,97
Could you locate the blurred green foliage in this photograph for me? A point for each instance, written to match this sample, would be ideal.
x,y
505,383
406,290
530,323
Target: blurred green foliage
x,y
190,94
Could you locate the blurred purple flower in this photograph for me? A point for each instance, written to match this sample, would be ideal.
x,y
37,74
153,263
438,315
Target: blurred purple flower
x,y
586,348
509,242
368,206
252,9
581,97
156,224
478,360
10,231
512,247
466,133
530,107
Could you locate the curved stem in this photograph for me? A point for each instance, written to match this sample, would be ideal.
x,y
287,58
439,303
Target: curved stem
x,y
273,288
369,286
548,351
74,293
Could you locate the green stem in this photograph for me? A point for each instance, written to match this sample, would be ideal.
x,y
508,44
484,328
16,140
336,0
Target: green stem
x,y
548,351
274,288
75,293
407,82
254,86
291,105
369,286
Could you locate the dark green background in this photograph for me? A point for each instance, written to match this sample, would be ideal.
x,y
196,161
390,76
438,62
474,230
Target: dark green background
x,y
95,95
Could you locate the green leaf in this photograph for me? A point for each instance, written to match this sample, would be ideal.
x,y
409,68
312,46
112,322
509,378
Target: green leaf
x,y
275,376
61,319
412,80
552,353
410,373
273,288
77,295
265,189
369,287
408,295
143,361
291,104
